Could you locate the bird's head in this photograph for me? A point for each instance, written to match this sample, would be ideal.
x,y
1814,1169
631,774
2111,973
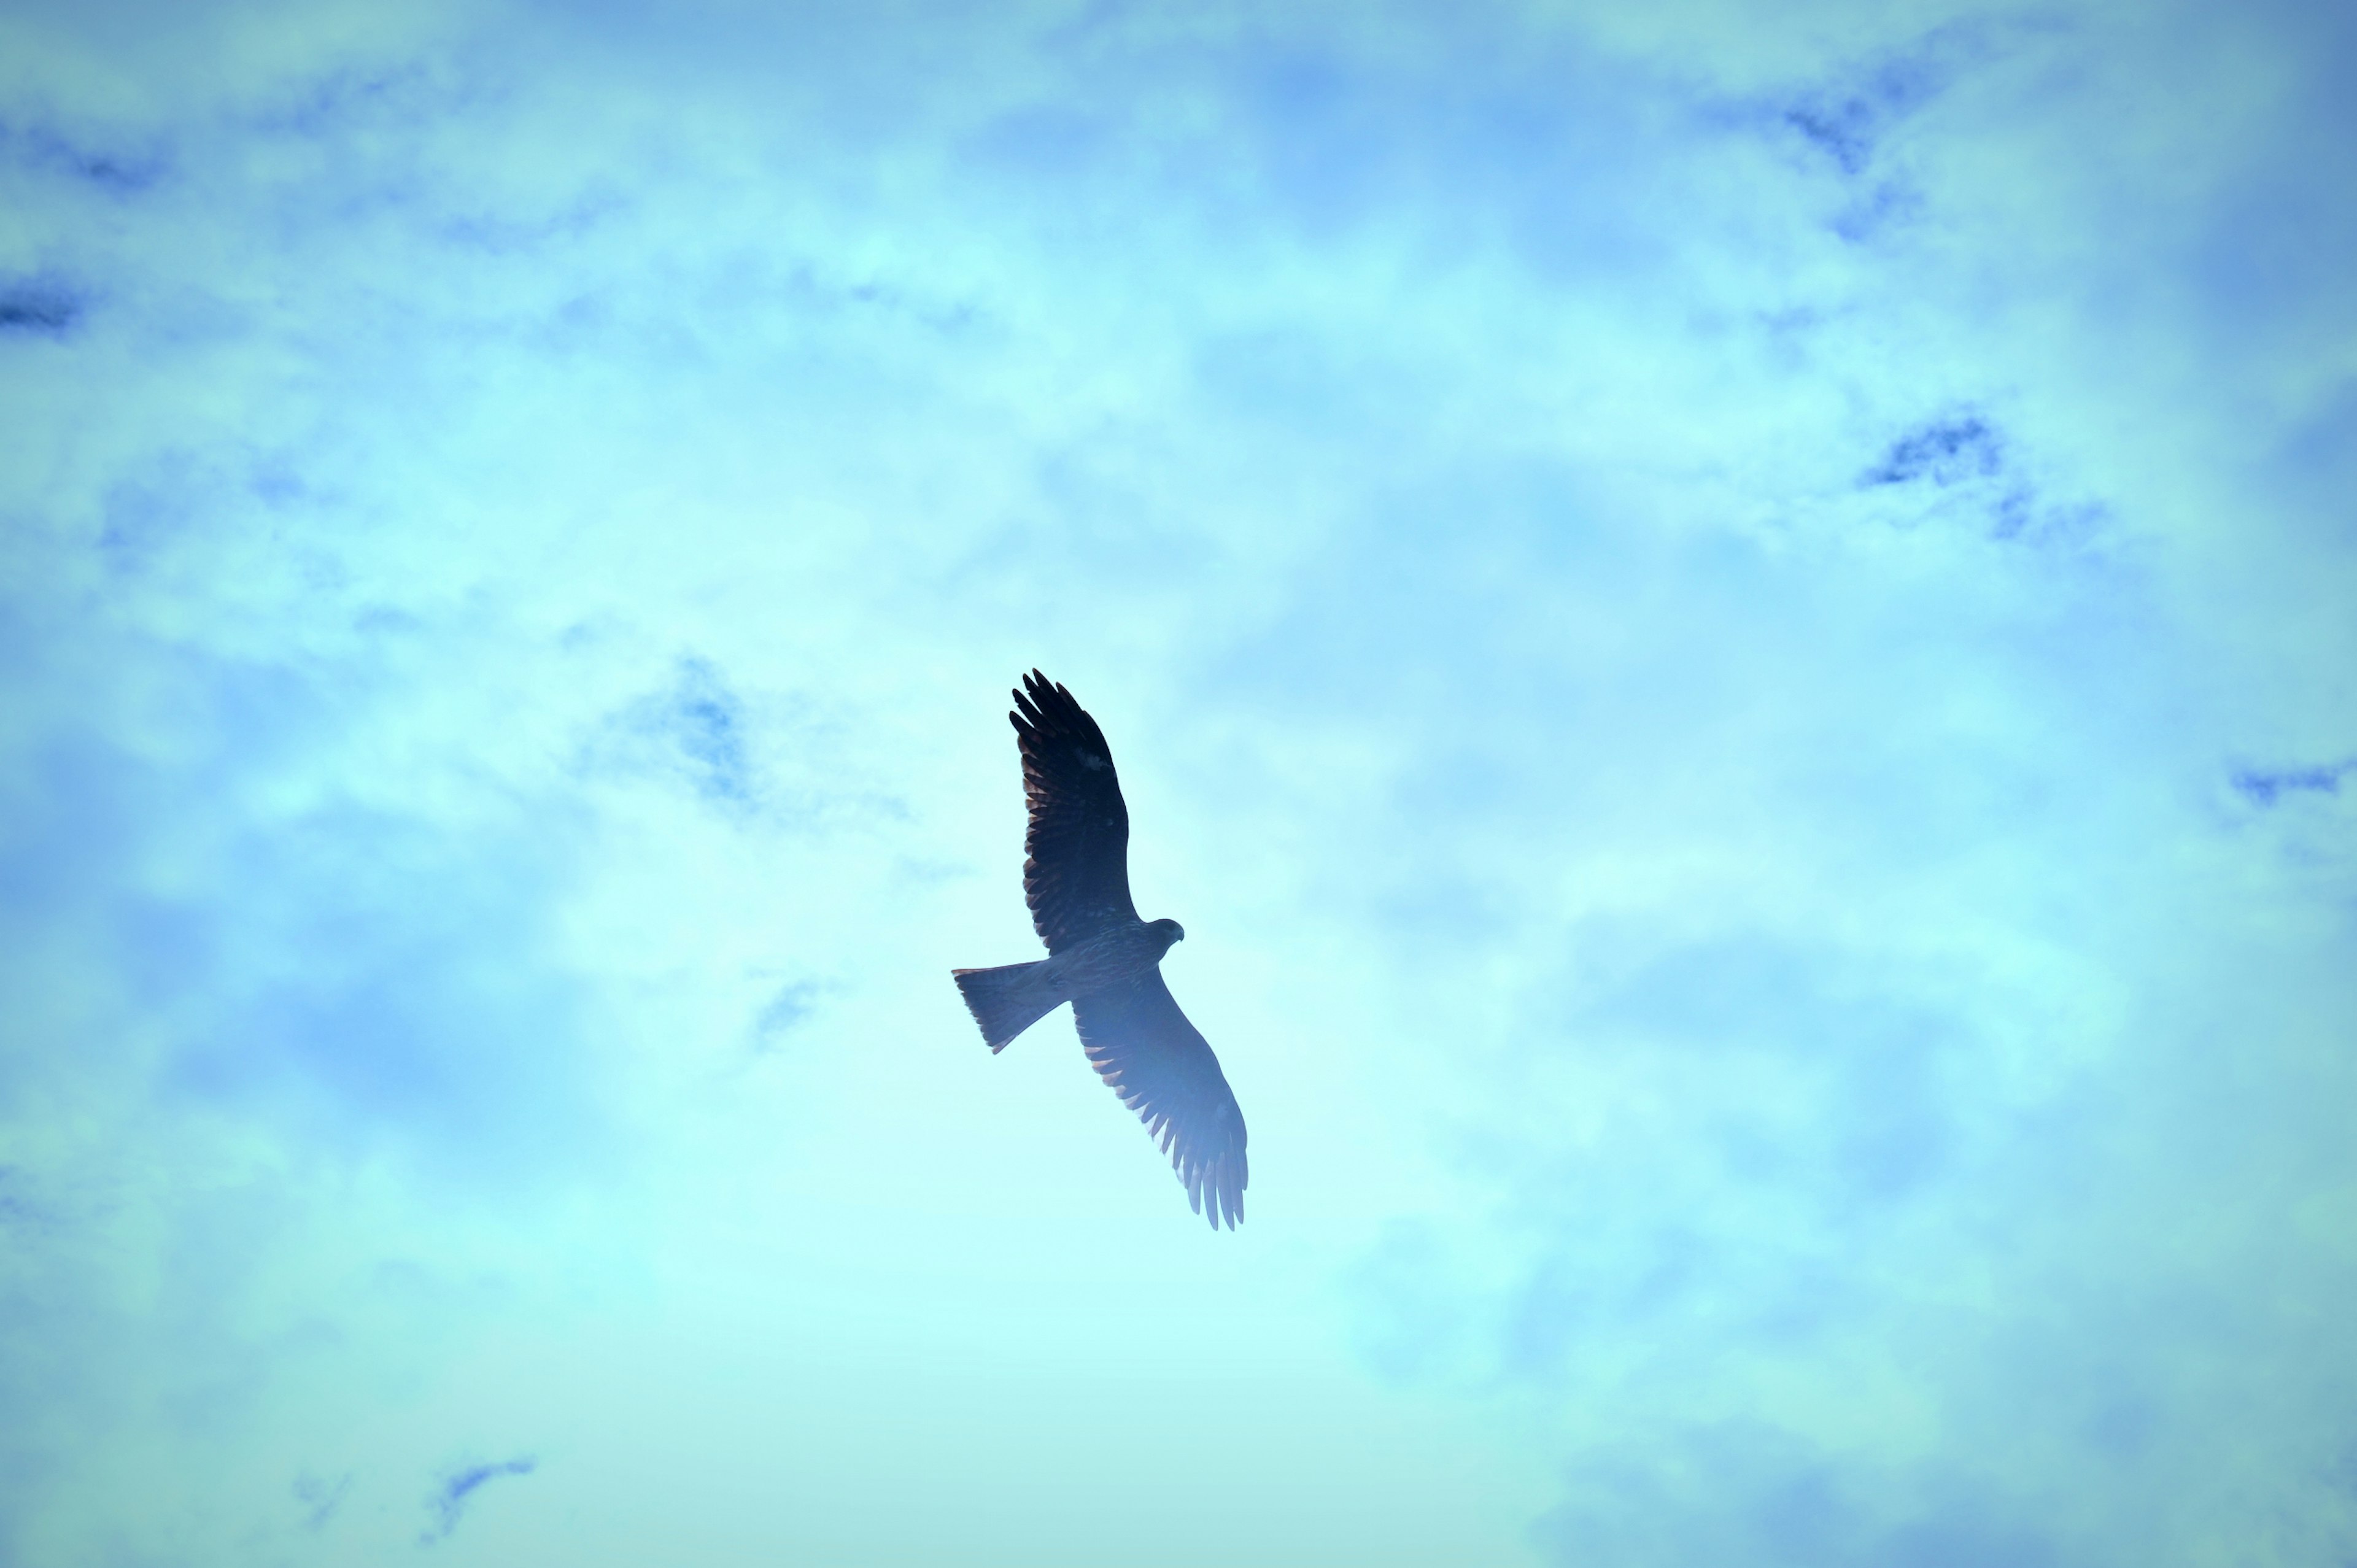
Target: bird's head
x,y
1169,931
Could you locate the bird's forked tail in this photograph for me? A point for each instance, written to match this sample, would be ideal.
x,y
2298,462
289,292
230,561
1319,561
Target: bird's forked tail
x,y
1007,1000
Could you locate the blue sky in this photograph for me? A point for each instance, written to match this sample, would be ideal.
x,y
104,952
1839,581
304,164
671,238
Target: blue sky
x,y
1730,626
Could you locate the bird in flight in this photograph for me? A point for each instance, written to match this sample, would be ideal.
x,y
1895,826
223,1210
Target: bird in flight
x,y
1103,959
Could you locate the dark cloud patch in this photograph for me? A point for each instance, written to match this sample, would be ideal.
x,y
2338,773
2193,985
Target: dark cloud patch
x,y
50,151
117,173
319,1497
1847,123
812,286
40,306
2013,515
140,518
698,727
1962,465
1964,468
110,174
2266,787
175,496
338,101
767,759
693,733
1889,204
2018,515
1944,452
785,1012
448,1504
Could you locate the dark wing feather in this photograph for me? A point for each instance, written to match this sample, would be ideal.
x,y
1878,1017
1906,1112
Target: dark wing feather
x,y
1148,1053
1076,850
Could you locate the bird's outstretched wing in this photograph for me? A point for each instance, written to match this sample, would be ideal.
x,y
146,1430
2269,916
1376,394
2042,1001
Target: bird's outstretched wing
x,y
1148,1053
1076,865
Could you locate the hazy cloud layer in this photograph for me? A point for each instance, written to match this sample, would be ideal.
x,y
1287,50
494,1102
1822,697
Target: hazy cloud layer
x,y
1728,629
461,1484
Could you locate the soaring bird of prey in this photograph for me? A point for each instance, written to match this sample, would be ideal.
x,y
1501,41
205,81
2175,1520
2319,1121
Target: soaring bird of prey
x,y
1103,959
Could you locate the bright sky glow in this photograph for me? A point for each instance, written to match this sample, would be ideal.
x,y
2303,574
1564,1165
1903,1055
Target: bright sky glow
x,y
1731,627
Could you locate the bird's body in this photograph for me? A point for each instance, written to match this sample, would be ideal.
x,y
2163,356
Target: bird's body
x,y
1127,953
1010,999
1103,959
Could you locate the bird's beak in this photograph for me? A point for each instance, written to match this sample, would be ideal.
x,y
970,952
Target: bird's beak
x,y
1182,933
